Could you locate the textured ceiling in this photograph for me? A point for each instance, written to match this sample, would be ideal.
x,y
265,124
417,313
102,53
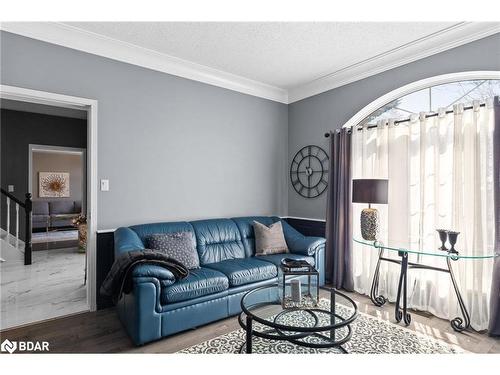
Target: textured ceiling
x,y
284,55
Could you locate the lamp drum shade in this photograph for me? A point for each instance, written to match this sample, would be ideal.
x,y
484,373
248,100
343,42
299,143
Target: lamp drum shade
x,y
370,191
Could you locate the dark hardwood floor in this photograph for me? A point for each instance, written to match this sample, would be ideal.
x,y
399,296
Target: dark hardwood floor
x,y
102,332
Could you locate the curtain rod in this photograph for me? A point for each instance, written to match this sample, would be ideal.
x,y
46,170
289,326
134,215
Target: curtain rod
x,y
408,119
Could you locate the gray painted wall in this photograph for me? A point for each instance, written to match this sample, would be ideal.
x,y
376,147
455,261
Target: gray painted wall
x,y
310,118
172,148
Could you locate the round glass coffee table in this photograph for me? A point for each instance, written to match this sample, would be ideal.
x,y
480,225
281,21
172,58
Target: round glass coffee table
x,y
326,326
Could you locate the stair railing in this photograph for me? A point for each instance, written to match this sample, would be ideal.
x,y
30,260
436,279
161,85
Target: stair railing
x,y
27,205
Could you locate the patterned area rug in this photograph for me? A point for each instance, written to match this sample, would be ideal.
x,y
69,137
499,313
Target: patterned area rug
x,y
371,335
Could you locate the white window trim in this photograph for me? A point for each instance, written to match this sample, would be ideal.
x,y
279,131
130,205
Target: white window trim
x,y
416,86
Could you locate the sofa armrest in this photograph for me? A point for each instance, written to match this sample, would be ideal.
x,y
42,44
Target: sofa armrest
x,y
147,282
165,276
306,245
126,240
300,244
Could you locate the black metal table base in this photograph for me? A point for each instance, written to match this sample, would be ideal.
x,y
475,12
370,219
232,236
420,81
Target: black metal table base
x,y
459,324
329,338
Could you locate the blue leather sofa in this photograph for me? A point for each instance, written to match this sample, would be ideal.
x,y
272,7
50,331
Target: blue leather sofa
x,y
159,306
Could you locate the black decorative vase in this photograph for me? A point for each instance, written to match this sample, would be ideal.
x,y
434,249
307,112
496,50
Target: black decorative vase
x,y
443,236
452,238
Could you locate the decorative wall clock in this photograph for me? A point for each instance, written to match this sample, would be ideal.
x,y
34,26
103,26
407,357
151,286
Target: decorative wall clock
x,y
309,171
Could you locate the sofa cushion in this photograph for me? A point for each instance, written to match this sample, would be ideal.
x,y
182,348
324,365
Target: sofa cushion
x,y
245,226
217,240
146,230
40,221
61,207
180,246
245,271
60,223
40,208
276,258
200,282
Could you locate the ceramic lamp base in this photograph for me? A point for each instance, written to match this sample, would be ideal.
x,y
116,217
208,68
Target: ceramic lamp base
x,y
369,224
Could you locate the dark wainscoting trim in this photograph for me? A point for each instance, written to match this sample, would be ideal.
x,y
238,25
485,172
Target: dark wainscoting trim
x,y
105,259
308,227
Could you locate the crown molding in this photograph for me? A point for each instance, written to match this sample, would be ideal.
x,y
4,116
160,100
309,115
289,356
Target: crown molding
x,y
71,37
454,36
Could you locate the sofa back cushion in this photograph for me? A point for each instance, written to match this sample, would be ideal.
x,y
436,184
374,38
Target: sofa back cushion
x,y
40,208
146,230
245,226
61,207
217,240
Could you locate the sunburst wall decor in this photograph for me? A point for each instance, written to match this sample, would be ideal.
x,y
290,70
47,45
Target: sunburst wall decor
x,y
53,184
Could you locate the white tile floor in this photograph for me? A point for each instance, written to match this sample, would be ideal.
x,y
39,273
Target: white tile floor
x,y
52,286
54,236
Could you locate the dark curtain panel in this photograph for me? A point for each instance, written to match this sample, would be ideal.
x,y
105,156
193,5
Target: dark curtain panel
x,y
339,212
494,326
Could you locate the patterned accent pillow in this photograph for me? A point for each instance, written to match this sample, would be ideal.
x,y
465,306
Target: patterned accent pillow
x,y
269,240
179,246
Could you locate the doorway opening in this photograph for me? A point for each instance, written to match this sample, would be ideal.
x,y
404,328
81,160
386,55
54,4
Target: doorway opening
x,y
48,155
57,216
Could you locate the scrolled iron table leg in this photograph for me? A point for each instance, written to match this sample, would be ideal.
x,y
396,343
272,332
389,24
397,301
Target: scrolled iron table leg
x,y
406,315
377,300
398,314
458,324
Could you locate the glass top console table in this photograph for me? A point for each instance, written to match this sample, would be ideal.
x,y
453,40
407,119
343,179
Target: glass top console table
x,y
403,251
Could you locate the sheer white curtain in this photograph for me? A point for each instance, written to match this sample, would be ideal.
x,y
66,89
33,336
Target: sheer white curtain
x,y
440,172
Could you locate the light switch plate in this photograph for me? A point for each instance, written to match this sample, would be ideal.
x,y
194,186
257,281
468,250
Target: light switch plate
x,y
104,185
10,188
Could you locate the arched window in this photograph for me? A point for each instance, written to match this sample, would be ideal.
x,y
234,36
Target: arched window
x,y
440,170
377,106
432,98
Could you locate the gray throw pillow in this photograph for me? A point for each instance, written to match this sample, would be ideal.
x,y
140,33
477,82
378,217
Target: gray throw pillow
x,y
269,240
179,246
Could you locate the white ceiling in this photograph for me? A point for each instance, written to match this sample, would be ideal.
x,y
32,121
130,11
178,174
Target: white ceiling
x,y
282,61
279,54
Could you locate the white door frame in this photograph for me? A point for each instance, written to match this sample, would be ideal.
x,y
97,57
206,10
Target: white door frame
x,y
89,105
416,86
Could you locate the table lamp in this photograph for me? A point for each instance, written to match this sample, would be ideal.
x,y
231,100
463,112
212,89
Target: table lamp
x,y
371,191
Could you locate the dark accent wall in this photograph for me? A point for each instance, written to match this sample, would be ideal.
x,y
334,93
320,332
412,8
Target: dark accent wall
x,y
314,228
18,131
